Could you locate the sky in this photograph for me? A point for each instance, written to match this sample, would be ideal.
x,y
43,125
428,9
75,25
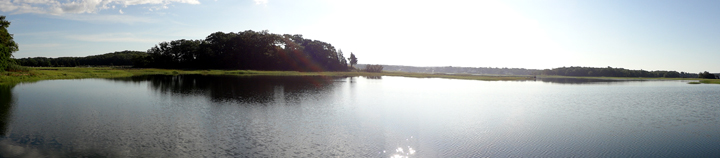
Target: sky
x,y
534,34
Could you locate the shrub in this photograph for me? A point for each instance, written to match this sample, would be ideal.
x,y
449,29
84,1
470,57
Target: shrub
x,y
17,68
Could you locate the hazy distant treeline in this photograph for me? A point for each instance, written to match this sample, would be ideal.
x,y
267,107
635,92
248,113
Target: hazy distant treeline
x,y
246,50
613,72
562,71
109,59
457,70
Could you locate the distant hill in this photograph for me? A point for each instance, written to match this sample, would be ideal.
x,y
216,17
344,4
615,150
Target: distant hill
x,y
560,71
613,72
457,70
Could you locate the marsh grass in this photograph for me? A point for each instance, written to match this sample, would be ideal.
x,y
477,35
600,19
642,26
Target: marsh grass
x,y
710,81
38,74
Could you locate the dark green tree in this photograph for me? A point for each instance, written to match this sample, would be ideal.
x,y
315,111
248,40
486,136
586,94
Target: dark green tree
x,y
374,68
707,75
353,59
7,45
343,62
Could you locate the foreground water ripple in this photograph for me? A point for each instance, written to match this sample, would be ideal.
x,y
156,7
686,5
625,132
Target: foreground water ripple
x,y
229,116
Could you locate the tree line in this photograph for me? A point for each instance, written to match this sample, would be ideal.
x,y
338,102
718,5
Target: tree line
x,y
246,50
707,75
121,58
613,72
242,50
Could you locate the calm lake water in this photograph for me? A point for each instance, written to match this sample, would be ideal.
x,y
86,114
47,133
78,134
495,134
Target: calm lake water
x,y
226,116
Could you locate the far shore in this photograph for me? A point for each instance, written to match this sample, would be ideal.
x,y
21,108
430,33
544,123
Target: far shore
x,y
51,73
693,80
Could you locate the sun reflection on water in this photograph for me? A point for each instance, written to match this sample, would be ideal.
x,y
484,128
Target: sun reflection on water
x,y
402,152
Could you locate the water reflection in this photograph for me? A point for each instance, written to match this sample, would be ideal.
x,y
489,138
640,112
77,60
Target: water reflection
x,y
175,116
373,77
405,151
230,116
256,89
6,104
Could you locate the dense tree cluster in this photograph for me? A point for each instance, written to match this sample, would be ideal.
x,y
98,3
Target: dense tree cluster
x,y
707,75
612,72
7,44
246,50
374,68
122,58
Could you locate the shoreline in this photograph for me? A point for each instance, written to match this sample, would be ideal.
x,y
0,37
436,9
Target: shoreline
x,y
55,73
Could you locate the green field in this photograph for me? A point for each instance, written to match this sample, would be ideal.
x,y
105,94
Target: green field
x,y
49,73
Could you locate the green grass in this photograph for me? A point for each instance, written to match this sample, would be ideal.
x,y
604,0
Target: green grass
x,y
38,74
35,74
709,81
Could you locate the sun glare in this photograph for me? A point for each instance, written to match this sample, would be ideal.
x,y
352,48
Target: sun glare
x,y
484,33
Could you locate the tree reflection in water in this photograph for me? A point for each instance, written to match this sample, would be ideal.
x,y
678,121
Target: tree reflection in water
x,y
6,104
373,77
255,89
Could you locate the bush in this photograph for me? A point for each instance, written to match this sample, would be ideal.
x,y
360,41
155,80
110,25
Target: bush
x,y
17,68
374,68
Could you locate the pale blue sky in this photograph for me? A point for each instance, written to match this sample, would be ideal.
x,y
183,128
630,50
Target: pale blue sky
x,y
649,34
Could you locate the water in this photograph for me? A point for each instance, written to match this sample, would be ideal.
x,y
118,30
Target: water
x,y
226,116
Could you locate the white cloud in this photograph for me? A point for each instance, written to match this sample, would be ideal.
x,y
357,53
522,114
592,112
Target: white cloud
x,y
261,1
95,18
121,12
113,37
58,7
42,45
80,7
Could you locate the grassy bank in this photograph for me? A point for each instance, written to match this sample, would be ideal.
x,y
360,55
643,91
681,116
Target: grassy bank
x,y
707,81
49,73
